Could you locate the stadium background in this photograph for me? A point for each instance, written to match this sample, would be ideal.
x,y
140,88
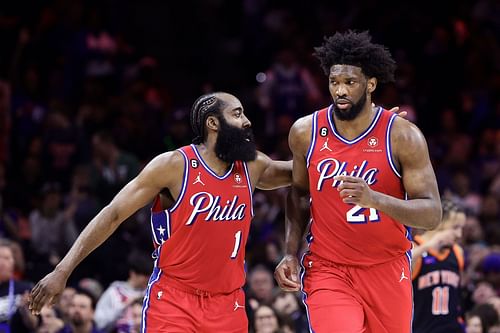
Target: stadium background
x,y
122,75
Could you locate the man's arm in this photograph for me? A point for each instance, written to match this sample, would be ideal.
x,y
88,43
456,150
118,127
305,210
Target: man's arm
x,y
273,174
136,194
297,208
423,207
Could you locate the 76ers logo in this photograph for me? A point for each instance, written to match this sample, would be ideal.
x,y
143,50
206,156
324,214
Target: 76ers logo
x,y
373,142
237,178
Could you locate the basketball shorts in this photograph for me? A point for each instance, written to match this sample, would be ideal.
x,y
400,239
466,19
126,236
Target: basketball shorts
x,y
354,299
171,307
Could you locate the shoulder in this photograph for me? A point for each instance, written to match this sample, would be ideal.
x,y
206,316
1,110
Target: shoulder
x,y
300,134
406,131
261,161
168,160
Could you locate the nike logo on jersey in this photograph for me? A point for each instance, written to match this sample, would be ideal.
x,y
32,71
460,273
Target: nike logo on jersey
x,y
237,306
198,180
403,276
204,202
325,146
331,167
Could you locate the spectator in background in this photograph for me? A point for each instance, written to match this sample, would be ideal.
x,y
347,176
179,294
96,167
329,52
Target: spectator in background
x,y
14,313
481,318
265,320
81,314
260,286
287,91
50,246
49,321
130,321
112,168
287,305
121,294
63,304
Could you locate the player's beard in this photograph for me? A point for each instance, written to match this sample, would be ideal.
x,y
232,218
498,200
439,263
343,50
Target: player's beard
x,y
235,144
352,112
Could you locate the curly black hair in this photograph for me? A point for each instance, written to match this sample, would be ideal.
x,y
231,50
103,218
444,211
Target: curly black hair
x,y
204,106
356,49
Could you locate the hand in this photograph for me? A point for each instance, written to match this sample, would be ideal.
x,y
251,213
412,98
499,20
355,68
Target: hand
x,y
47,291
287,273
395,110
440,239
354,190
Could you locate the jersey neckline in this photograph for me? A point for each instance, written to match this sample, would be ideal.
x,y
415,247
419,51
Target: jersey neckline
x,y
359,137
205,165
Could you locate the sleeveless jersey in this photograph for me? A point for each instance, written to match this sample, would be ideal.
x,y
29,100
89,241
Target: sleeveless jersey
x,y
345,233
436,290
200,240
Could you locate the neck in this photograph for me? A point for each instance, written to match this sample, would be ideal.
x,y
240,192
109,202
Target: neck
x,y
351,129
207,152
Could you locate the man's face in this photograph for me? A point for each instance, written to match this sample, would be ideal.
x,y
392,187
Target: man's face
x,y
349,89
6,263
80,310
235,141
454,222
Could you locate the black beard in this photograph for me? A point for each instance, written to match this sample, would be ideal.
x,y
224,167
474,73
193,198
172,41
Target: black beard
x,y
352,112
235,144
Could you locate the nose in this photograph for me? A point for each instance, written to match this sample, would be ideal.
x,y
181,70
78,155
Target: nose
x,y
246,122
340,90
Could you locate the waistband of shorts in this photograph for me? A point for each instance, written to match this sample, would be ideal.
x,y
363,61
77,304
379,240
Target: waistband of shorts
x,y
326,262
173,283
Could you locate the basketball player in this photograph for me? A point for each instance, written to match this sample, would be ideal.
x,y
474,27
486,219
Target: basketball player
x,y
354,166
200,223
436,269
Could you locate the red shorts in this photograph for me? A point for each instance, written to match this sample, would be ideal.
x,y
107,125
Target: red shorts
x,y
352,299
169,307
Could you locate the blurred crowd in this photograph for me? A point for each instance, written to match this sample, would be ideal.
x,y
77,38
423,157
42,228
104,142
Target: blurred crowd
x,y
90,91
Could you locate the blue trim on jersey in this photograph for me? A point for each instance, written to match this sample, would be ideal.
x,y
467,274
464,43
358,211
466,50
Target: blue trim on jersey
x,y
184,182
249,182
208,168
304,294
160,220
155,276
313,138
359,137
389,149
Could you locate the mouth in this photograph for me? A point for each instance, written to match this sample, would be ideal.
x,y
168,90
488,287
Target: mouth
x,y
343,104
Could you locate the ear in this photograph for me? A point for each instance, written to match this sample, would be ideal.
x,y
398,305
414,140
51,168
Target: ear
x,y
371,84
212,123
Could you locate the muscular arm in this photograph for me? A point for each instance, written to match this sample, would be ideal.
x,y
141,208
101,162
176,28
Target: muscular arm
x,y
136,194
423,207
274,174
297,208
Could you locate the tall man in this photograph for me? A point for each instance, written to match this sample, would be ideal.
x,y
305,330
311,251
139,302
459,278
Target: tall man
x,y
200,223
365,177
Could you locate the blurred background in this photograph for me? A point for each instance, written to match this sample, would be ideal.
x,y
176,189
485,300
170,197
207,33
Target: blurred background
x,y
90,91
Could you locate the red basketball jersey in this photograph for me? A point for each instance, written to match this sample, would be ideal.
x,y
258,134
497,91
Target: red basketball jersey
x,y
200,241
346,233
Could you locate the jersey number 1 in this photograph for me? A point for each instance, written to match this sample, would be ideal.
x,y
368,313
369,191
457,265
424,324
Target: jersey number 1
x,y
237,243
356,215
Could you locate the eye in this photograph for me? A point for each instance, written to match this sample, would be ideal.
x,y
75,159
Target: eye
x,y
332,82
351,82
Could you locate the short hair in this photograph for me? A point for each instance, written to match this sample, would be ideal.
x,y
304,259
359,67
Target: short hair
x,y
449,205
356,49
204,106
89,294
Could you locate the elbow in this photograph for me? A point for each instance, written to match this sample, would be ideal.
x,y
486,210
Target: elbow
x,y
435,218
112,215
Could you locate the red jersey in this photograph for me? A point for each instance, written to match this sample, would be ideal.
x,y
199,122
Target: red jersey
x,y
346,233
200,240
